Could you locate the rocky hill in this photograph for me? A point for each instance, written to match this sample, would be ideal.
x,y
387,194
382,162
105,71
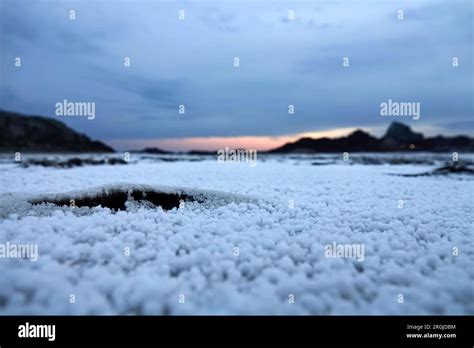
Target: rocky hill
x,y
40,134
399,137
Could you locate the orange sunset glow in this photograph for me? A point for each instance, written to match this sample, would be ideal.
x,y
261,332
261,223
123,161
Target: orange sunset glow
x,y
261,143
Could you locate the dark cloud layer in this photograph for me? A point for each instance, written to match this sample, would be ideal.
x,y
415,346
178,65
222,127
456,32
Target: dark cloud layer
x,y
282,61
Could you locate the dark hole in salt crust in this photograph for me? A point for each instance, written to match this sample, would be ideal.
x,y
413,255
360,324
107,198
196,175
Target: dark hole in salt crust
x,y
72,162
116,200
448,169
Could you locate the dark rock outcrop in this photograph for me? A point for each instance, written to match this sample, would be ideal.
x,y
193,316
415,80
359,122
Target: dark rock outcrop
x,y
40,134
154,150
399,137
359,141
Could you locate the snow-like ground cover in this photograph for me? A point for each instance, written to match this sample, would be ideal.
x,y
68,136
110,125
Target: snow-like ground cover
x,y
289,213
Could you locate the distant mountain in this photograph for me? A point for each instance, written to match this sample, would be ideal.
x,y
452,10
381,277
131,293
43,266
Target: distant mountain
x,y
154,150
358,141
19,132
399,137
201,152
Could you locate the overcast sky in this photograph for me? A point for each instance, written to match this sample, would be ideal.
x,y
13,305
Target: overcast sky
x,y
282,62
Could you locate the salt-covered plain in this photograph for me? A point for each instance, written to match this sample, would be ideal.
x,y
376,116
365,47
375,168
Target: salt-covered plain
x,y
256,246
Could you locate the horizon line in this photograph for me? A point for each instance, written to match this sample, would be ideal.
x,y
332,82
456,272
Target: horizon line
x,y
257,142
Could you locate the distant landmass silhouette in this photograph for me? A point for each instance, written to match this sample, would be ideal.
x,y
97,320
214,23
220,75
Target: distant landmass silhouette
x,y
399,137
38,134
19,132
153,150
